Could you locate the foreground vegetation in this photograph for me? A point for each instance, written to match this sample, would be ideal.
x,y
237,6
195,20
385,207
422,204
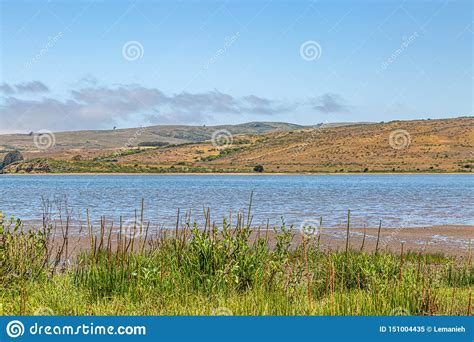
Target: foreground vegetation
x,y
218,271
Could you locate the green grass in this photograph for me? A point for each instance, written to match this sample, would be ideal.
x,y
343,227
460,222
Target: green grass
x,y
42,165
220,270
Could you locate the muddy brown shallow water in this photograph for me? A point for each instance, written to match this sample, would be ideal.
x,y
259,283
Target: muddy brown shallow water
x,y
450,240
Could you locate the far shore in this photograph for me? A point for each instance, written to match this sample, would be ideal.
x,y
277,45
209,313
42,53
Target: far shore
x,y
231,173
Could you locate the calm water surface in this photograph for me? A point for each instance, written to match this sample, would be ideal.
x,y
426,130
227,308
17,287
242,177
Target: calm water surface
x,y
397,200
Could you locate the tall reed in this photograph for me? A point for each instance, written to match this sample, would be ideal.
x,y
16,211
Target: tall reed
x,y
193,270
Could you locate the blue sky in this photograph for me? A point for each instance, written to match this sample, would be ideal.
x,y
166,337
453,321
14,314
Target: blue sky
x,y
65,64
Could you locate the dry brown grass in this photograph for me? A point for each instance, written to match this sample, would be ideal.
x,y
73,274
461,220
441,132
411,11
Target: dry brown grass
x,y
436,146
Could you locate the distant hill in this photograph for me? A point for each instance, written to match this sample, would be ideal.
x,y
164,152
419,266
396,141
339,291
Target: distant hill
x,y
399,146
173,134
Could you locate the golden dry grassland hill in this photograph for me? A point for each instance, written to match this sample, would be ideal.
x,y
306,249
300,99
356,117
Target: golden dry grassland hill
x,y
445,145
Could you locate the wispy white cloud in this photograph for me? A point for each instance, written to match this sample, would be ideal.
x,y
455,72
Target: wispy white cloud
x,y
23,88
93,106
32,87
329,103
6,89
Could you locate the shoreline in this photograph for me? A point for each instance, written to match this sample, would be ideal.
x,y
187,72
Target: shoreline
x,y
450,240
231,173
